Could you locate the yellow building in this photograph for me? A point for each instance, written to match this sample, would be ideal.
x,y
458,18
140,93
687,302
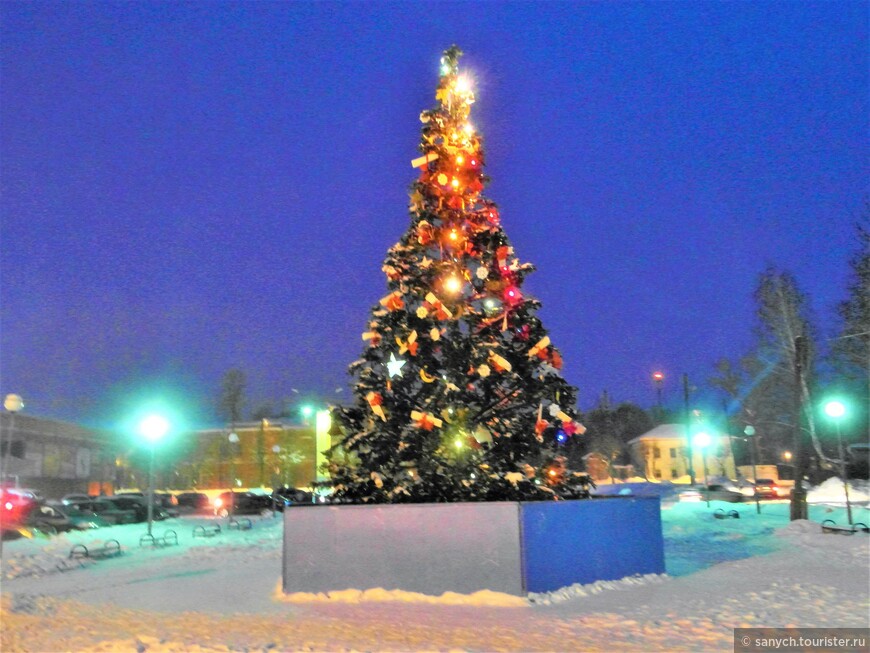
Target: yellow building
x,y
662,455
263,453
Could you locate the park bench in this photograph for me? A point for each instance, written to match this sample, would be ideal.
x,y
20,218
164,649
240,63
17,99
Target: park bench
x,y
721,513
169,538
99,551
830,526
243,524
209,530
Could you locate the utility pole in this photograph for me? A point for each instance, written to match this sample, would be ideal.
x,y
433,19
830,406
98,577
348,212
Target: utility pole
x,y
798,495
688,429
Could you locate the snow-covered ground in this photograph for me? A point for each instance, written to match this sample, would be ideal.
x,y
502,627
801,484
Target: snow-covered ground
x,y
223,593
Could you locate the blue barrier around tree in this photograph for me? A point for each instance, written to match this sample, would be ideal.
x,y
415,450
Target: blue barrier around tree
x,y
567,542
507,547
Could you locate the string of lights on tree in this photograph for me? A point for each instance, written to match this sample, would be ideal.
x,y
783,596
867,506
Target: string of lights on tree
x,y
458,393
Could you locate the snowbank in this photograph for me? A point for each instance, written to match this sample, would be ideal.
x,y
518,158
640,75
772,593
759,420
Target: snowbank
x,y
222,594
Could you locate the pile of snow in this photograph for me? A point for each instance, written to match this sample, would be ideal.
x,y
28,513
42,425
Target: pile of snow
x,y
833,491
223,594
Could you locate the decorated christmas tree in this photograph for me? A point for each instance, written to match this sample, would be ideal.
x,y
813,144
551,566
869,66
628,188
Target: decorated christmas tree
x,y
458,394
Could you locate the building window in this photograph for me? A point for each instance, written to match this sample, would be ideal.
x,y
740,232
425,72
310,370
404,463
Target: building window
x,y
657,453
14,449
674,473
658,473
673,452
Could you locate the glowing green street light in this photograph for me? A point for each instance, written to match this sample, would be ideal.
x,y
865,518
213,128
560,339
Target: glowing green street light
x,y
152,429
836,410
307,411
702,440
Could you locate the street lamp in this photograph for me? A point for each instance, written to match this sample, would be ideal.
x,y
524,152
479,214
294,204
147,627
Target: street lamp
x,y
234,440
658,379
276,478
702,441
12,403
749,432
836,410
152,429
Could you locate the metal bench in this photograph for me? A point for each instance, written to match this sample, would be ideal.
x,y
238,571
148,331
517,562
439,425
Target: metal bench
x,y
209,530
243,524
169,538
720,513
830,526
108,549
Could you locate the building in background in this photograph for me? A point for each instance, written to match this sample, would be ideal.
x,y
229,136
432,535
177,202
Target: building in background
x,y
662,455
265,453
56,458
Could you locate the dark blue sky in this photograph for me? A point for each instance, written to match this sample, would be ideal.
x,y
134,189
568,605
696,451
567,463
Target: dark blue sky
x,y
190,187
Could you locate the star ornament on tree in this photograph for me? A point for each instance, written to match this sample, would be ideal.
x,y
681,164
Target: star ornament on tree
x,y
394,366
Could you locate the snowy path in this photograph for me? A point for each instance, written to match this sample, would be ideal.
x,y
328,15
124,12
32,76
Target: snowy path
x,y
218,596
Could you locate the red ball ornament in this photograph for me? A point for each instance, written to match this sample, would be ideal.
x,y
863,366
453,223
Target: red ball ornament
x,y
512,295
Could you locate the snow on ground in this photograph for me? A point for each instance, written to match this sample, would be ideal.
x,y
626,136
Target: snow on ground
x,y
223,594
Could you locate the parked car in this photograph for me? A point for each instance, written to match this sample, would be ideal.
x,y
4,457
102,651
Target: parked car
x,y
15,505
82,519
72,498
140,506
768,489
193,502
241,503
291,496
167,502
47,519
721,493
108,510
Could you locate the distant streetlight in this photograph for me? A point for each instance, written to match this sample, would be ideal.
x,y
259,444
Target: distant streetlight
x,y
12,403
234,440
749,432
836,410
702,440
786,456
658,379
275,477
152,429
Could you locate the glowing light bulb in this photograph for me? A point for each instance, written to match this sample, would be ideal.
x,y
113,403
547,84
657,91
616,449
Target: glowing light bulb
x,y
452,284
552,472
454,182
463,84
458,443
453,234
461,159
468,129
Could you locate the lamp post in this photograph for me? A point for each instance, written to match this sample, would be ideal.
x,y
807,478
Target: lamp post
x,y
658,380
276,477
234,440
152,428
702,441
749,432
12,403
688,419
836,410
